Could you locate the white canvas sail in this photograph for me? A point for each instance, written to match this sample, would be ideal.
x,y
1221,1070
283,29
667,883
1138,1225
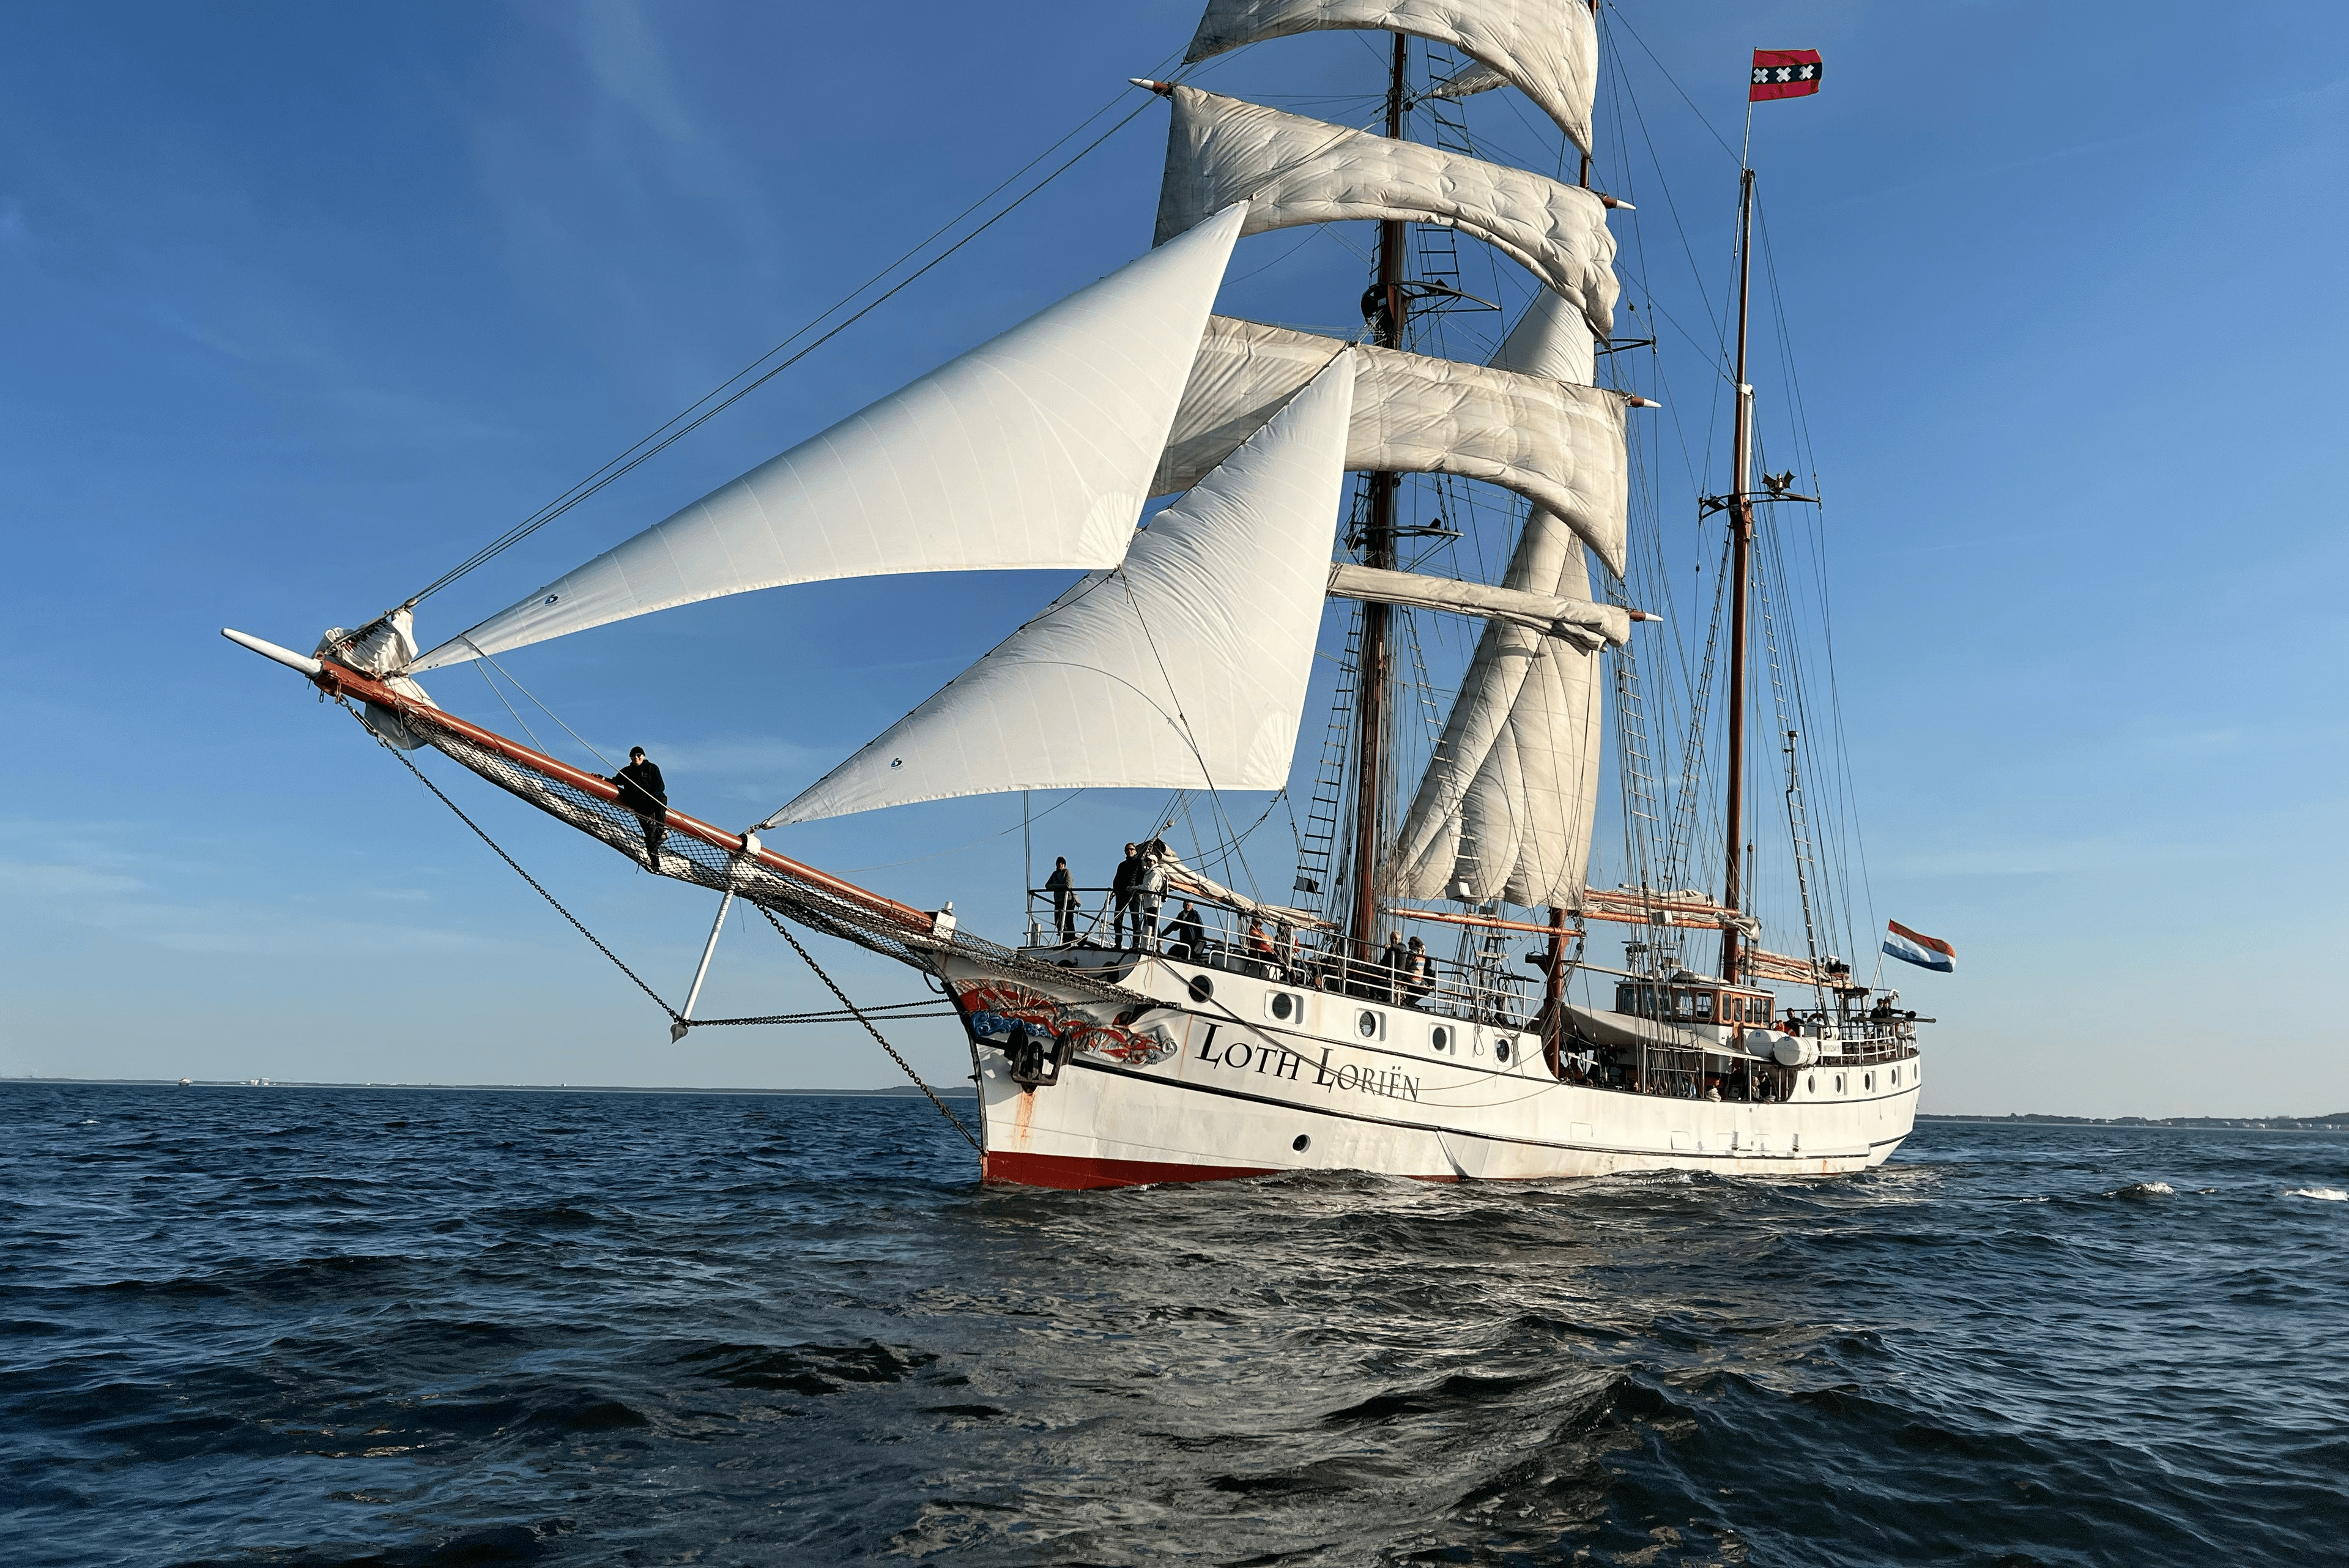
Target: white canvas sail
x,y
1505,806
1578,622
1550,339
1292,170
1184,667
1560,446
1033,450
1549,49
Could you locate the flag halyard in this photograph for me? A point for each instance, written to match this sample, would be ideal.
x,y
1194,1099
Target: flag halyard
x,y
1784,73
1916,948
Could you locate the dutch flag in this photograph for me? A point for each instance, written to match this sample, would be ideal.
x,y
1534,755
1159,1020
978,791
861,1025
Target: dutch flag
x,y
1915,947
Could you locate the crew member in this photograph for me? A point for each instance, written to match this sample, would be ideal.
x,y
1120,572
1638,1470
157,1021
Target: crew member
x,y
1063,889
643,791
1124,887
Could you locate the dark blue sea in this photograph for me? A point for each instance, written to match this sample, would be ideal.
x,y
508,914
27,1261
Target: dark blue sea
x,y
283,1326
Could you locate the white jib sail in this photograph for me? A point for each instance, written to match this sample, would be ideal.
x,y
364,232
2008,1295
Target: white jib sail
x,y
1292,170
1033,450
1184,667
1548,49
1560,446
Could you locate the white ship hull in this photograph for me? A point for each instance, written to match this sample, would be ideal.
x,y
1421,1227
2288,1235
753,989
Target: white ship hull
x,y
1217,1089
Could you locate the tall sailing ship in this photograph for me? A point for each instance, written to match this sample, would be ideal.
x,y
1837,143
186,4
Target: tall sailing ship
x,y
1110,1045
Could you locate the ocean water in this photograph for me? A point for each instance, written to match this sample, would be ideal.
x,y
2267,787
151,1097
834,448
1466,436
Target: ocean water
x,y
416,1327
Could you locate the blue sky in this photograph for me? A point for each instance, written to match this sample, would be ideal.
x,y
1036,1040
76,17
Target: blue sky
x,y
305,302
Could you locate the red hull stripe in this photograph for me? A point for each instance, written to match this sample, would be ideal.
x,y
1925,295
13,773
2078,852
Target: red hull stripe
x,y
1074,1173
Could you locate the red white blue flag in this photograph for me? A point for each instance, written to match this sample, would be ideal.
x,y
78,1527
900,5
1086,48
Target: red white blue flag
x,y
1916,948
1784,73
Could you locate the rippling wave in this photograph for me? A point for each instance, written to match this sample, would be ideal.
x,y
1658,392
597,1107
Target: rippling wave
x,y
413,1327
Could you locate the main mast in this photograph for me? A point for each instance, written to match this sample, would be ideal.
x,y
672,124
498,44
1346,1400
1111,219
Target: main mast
x,y
1378,550
1741,566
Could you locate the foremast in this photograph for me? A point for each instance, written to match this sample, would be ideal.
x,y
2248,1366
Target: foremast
x,y
1373,671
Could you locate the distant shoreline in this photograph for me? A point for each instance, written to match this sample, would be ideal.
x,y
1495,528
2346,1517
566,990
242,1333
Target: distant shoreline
x,y
2337,1121
900,1091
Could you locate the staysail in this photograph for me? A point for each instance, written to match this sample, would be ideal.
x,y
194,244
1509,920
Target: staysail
x,y
1549,49
1292,170
1558,445
1033,450
1505,808
1184,667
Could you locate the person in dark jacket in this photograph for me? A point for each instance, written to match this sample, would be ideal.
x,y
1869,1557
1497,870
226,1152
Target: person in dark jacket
x,y
643,790
1390,964
1124,887
1186,936
1063,889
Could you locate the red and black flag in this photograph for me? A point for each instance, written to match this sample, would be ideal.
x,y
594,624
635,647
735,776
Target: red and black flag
x,y
1784,73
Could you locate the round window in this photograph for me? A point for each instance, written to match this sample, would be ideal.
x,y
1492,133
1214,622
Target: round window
x,y
1302,1143
1896,1074
1366,1024
1500,1050
1441,1038
1283,1005
1202,988
1811,1085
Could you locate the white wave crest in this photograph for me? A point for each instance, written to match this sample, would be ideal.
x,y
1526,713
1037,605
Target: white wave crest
x,y
2323,1194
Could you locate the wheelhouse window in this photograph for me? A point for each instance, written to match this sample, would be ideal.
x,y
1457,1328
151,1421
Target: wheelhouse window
x,y
1703,1001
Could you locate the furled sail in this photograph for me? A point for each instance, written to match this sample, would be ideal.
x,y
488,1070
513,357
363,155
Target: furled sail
x,y
1560,446
1549,49
1033,450
1292,170
1184,667
1584,625
1507,806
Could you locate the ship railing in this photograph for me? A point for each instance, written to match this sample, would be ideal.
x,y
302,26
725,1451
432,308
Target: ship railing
x,y
1484,994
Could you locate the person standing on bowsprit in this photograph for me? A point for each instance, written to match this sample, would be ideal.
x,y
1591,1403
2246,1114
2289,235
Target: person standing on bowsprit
x,y
643,790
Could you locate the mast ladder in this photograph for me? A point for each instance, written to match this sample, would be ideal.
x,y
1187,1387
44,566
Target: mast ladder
x,y
1643,817
1317,846
1798,825
1680,847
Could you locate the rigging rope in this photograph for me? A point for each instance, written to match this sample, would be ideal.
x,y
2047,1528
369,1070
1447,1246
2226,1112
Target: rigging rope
x,y
861,1015
675,1017
667,435
784,932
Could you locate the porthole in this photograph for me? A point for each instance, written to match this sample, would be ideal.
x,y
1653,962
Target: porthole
x,y
1868,1080
1895,1077
1281,1005
1500,1050
1202,988
1440,1037
1303,1143
1366,1024
1811,1085
1838,1082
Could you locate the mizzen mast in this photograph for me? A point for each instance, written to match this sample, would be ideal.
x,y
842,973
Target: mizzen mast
x,y
1370,675
1740,566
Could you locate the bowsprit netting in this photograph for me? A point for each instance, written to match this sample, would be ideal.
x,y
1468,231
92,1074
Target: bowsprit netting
x,y
876,924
